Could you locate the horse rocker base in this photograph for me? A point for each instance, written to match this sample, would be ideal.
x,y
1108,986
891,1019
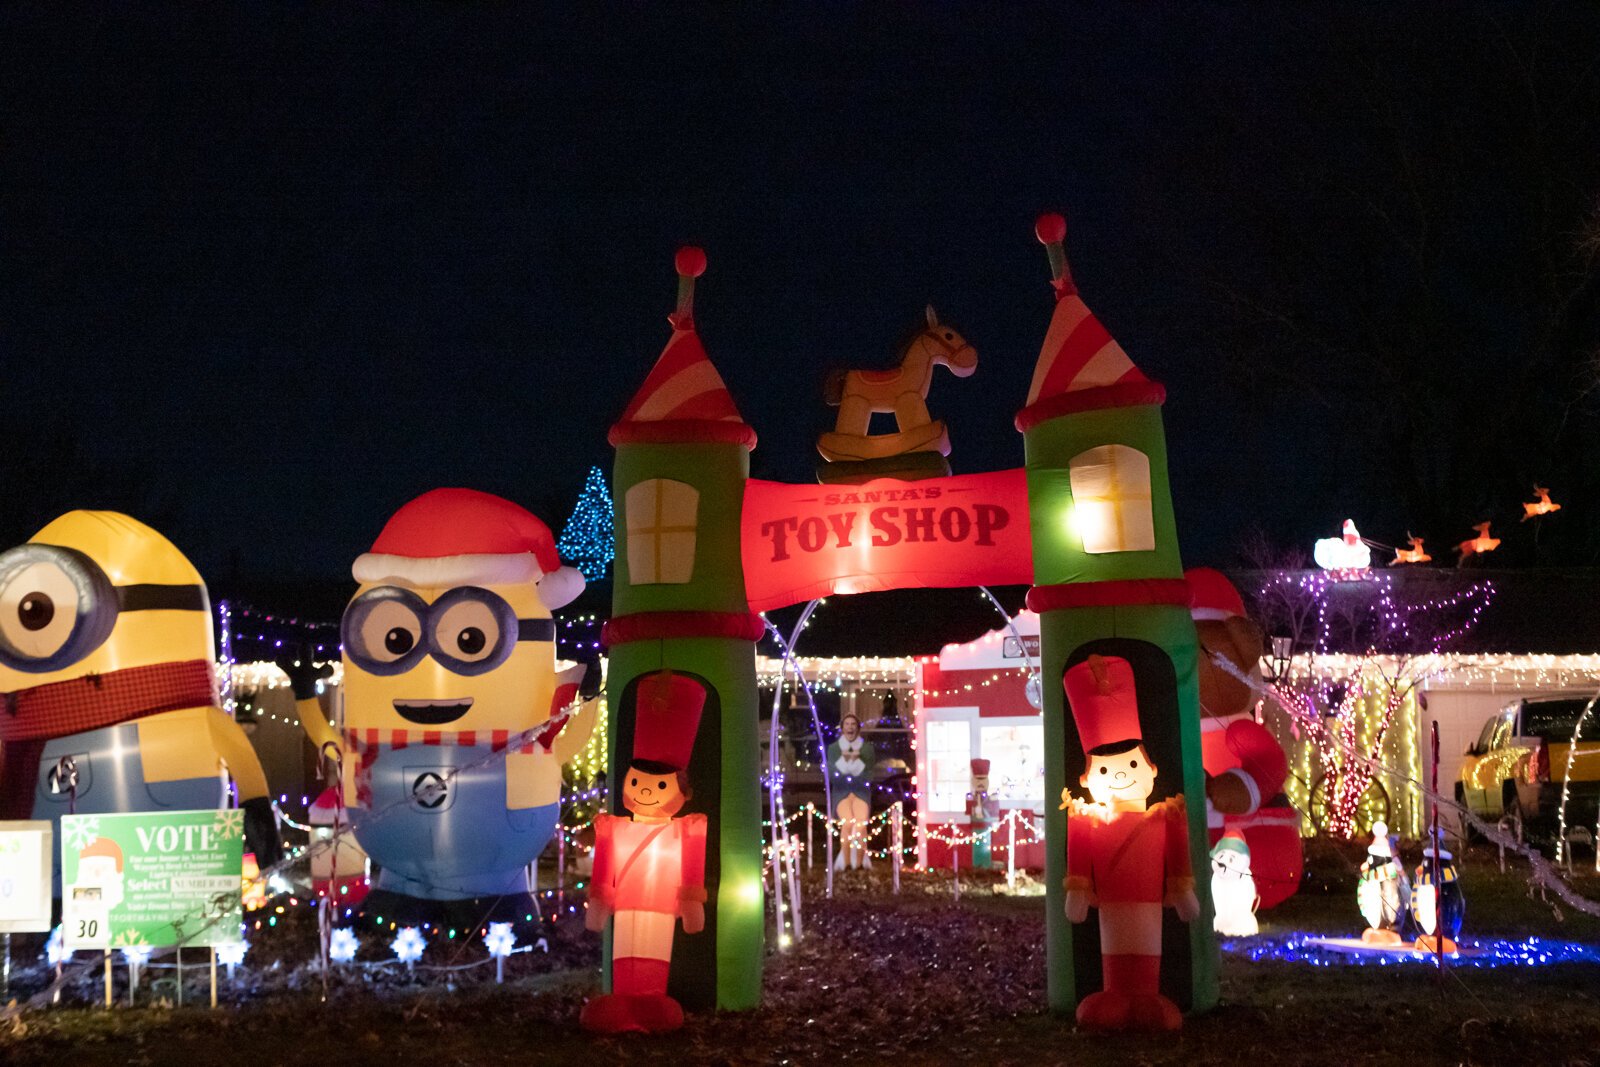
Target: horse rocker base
x,y
910,467
929,437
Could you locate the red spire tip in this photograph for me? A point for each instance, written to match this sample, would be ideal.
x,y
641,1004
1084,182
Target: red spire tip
x,y
1050,228
690,261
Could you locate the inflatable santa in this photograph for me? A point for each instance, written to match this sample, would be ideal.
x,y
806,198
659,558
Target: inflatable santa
x,y
1245,765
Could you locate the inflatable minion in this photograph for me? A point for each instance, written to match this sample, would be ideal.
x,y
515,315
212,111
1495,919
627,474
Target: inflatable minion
x,y
455,719
109,693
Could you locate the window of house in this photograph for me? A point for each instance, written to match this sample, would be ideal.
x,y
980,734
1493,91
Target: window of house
x,y
1111,499
661,532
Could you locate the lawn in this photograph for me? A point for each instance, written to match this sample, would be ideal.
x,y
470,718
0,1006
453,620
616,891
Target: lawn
x,y
916,979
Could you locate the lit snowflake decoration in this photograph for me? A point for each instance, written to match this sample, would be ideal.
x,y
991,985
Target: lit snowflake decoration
x,y
79,832
408,945
136,955
54,952
231,953
342,945
499,939
228,823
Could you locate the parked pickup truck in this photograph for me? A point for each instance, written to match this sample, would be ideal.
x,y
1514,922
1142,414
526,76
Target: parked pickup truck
x,y
1519,764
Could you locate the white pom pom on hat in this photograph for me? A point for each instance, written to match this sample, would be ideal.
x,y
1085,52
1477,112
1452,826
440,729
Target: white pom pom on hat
x,y
450,537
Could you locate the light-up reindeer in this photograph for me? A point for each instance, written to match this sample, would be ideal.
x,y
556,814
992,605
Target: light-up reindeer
x,y
902,391
1478,545
649,866
1543,506
1414,554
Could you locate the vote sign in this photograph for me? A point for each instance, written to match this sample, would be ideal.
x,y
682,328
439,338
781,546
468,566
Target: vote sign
x,y
151,878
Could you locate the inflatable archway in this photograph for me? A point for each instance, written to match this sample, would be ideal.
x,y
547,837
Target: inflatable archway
x,y
1087,521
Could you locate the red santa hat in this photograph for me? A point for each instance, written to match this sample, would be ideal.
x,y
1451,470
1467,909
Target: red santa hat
x,y
666,718
102,846
1104,703
1212,596
450,537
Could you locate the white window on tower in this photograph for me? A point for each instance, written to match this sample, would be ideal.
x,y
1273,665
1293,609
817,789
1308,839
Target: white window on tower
x,y
1111,499
661,532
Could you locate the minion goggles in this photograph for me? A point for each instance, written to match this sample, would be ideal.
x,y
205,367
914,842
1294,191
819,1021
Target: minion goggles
x,y
467,630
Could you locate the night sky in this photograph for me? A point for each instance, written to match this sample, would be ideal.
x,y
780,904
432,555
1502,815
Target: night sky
x,y
268,271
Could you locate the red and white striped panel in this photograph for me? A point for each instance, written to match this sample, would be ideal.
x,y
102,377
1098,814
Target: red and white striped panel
x,y
682,385
1079,353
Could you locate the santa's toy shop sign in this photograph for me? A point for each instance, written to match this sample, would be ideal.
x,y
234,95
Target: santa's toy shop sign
x,y
806,541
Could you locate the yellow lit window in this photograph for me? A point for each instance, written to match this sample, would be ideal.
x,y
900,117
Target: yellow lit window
x,y
661,532
1111,499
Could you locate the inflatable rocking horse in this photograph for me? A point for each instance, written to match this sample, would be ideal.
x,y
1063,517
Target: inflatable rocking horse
x,y
920,443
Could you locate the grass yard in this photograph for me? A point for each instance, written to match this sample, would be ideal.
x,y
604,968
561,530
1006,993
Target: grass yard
x,y
916,979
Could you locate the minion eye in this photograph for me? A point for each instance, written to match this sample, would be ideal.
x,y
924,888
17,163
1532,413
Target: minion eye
x,y
390,630
39,606
468,630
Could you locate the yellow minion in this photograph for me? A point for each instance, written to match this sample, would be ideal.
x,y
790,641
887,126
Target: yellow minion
x,y
106,677
456,719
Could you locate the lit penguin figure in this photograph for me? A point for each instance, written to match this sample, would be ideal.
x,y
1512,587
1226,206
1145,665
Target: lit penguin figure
x,y
456,719
109,690
1233,887
1437,909
1378,889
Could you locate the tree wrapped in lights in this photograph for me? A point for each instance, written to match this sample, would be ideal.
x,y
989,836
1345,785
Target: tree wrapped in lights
x,y
589,538
1350,658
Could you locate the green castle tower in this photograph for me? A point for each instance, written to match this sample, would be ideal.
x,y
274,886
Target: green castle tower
x,y
1107,580
678,603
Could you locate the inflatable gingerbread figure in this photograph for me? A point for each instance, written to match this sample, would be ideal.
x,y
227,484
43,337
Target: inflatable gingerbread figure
x,y
1125,856
649,867
1245,765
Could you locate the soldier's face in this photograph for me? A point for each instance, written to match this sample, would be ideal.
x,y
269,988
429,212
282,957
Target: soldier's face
x,y
1127,777
652,795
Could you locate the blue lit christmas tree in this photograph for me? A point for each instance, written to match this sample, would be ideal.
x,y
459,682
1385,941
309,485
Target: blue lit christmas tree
x,y
589,540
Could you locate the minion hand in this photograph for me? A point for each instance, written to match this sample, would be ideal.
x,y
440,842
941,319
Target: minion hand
x,y
261,831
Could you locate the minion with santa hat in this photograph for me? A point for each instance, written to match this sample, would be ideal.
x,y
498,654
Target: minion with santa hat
x,y
456,720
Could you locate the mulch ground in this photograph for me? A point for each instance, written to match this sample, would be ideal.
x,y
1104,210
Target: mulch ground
x,y
918,978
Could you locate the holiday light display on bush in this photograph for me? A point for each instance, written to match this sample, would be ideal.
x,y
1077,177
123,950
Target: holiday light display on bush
x,y
456,719
589,537
1352,713
1245,766
1125,856
111,702
649,867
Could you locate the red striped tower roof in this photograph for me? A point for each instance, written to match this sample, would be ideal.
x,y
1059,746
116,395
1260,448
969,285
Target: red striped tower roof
x,y
683,399
1081,366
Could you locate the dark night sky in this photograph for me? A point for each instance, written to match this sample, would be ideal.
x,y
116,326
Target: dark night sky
x,y
268,271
